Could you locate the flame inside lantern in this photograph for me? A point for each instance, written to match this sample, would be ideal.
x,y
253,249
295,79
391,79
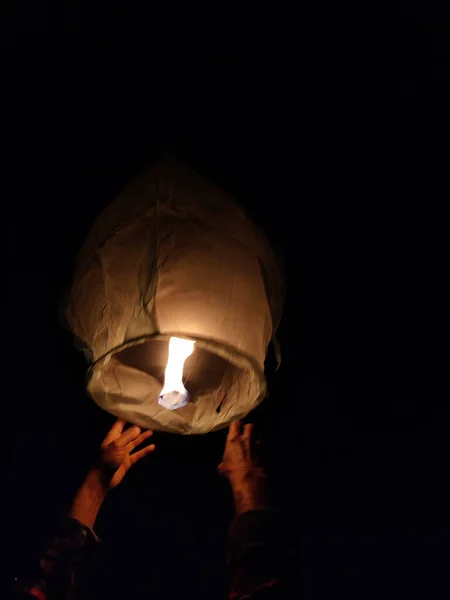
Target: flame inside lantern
x,y
173,394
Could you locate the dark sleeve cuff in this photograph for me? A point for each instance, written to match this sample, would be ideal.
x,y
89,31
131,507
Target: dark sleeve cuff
x,y
79,534
266,527
261,545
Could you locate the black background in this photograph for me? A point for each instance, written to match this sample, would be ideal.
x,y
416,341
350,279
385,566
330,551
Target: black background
x,y
331,129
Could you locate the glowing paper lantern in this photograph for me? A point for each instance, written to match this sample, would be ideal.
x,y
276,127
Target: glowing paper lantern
x,y
174,257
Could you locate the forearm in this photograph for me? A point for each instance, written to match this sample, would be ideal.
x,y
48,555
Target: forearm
x,y
261,555
89,499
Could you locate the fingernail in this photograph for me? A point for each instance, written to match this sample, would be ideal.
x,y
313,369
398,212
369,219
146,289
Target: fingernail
x,y
136,429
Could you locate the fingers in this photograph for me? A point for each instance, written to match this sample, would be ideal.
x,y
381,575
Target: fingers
x,y
234,431
130,434
114,432
141,438
246,439
248,428
141,453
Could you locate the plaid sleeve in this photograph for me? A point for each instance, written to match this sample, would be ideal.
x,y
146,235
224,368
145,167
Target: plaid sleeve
x,y
56,575
261,556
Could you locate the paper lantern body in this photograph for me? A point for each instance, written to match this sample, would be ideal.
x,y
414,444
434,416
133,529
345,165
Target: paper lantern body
x,y
173,255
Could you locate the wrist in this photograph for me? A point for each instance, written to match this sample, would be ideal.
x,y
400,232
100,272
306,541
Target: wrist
x,y
95,482
246,499
250,491
247,478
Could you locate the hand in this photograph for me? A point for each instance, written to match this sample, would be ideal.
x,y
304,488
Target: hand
x,y
115,452
242,467
112,466
241,457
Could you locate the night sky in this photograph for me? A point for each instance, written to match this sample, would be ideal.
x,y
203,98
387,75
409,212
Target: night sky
x,y
332,132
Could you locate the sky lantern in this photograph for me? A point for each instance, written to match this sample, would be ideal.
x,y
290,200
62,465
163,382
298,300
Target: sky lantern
x,y
175,299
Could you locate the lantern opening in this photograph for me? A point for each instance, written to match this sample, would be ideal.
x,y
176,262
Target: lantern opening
x,y
173,394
